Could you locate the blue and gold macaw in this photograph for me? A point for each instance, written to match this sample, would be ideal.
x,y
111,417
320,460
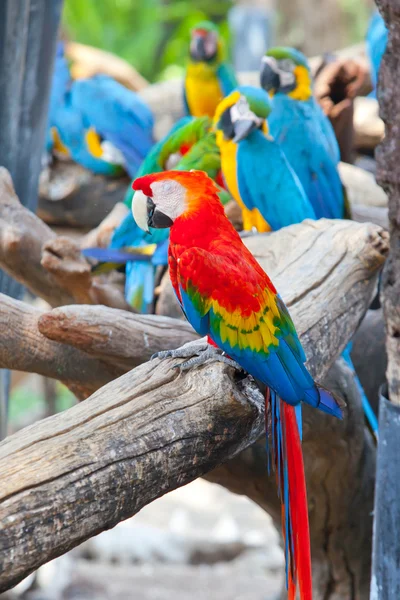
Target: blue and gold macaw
x,y
189,145
302,130
254,167
377,37
208,78
97,122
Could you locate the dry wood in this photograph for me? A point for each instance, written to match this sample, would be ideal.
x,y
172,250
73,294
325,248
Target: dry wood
x,y
50,266
88,61
361,187
388,175
24,348
115,336
71,195
369,128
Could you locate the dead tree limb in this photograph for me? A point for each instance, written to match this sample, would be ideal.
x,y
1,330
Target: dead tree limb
x,y
24,348
71,195
50,266
115,336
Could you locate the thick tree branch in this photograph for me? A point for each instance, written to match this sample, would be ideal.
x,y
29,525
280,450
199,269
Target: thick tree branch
x,y
50,266
24,348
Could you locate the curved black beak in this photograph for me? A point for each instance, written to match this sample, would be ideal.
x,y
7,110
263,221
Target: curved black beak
x,y
242,128
269,79
202,48
156,218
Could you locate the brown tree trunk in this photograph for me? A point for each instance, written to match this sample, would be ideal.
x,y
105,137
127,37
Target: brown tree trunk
x,y
388,174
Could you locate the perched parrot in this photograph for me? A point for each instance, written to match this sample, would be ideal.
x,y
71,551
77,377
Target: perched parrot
x,y
254,167
189,145
377,37
295,123
285,71
208,77
98,122
226,296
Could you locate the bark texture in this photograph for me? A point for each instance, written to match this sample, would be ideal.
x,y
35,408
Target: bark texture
x,y
388,175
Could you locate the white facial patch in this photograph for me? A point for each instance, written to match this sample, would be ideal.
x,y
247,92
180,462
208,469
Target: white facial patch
x,y
284,68
241,112
169,196
139,209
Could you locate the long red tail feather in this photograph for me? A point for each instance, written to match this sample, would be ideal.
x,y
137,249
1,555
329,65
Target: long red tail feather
x,y
287,457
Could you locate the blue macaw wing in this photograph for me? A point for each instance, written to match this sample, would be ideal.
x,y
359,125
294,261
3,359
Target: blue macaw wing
x,y
139,285
267,182
227,78
296,127
118,114
377,37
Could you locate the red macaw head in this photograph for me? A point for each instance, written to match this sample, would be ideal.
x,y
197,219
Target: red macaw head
x,y
160,198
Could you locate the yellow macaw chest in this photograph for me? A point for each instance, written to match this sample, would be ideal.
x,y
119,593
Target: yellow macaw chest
x,y
202,89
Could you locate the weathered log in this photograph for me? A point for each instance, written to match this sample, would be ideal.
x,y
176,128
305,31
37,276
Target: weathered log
x,y
369,128
123,441
71,195
24,348
88,61
114,336
50,267
361,187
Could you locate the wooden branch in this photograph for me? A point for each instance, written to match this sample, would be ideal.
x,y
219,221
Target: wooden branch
x,y
88,61
50,266
71,195
114,336
75,474
24,348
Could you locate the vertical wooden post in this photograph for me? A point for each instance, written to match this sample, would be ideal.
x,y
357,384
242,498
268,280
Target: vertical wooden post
x,y
28,36
385,583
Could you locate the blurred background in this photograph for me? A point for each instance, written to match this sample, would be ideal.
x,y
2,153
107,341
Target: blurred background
x,y
153,35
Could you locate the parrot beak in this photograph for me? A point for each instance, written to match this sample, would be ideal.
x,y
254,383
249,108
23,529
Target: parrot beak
x,y
269,77
242,128
147,215
203,47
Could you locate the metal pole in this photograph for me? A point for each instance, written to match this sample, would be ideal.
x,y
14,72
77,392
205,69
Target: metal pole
x,y
28,37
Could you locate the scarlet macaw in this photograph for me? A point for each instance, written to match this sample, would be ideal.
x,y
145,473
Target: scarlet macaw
x,y
226,296
189,145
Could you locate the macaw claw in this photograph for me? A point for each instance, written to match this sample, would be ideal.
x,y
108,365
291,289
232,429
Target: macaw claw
x,y
198,353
